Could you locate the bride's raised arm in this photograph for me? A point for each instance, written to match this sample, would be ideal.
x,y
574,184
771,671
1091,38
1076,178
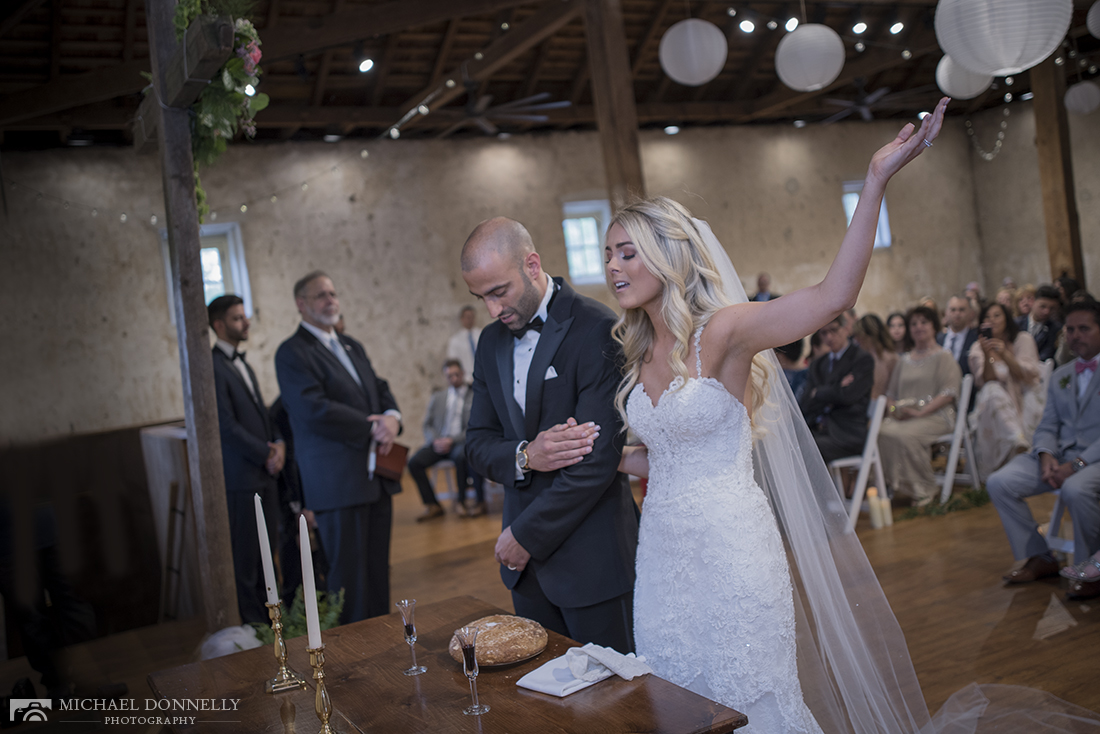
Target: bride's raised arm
x,y
754,327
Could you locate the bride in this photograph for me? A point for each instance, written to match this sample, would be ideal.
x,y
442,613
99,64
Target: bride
x,y
806,646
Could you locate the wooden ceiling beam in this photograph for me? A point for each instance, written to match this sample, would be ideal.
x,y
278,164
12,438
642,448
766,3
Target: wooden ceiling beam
x,y
547,21
345,28
15,16
444,51
536,68
325,65
642,48
382,70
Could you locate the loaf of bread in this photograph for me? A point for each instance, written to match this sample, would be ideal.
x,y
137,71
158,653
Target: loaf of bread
x,y
503,639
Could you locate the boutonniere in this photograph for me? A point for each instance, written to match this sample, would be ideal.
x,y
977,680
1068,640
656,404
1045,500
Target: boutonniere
x,y
1064,382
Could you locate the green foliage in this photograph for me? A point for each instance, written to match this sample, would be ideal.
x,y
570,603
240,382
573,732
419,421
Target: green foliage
x,y
329,606
967,500
188,10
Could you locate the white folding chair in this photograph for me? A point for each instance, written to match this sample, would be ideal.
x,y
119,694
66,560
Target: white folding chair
x,y
1055,541
443,472
866,461
959,438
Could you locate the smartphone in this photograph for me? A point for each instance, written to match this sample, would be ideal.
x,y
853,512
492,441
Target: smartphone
x,y
986,332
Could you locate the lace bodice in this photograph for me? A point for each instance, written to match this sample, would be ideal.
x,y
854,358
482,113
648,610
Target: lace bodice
x,y
713,607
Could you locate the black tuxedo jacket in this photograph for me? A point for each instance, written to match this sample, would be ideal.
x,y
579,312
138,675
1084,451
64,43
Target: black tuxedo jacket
x,y
964,355
328,415
245,427
1046,340
845,408
580,523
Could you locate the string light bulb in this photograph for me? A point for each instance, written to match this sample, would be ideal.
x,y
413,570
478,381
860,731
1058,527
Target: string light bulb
x,y
244,208
366,65
363,153
897,28
305,186
792,23
122,217
859,28
772,25
395,133
274,198
250,90
153,220
747,26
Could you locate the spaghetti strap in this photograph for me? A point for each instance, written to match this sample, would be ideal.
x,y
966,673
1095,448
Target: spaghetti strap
x,y
698,351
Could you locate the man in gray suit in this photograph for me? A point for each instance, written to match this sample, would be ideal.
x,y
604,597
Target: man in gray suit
x,y
1066,457
445,433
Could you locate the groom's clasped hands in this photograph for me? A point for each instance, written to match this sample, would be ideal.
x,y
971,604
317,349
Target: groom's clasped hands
x,y
555,448
562,445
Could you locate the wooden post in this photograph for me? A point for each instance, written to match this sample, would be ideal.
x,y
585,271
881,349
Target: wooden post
x,y
204,452
1048,83
613,97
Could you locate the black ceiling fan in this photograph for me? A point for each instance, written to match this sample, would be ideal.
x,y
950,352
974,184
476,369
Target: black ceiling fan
x,y
480,113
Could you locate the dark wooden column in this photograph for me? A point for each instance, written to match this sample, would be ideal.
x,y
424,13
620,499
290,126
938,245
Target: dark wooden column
x,y
204,452
1048,82
613,97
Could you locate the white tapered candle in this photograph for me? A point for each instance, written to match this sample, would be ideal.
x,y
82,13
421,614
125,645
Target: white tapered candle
x,y
309,587
265,554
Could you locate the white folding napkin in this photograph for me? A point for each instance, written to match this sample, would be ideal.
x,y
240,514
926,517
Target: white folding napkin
x,y
581,667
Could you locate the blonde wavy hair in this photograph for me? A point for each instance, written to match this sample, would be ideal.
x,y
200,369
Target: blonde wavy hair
x,y
672,249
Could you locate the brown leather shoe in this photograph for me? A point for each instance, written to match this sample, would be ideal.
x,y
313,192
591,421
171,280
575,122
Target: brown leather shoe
x,y
1036,567
430,513
1081,590
460,508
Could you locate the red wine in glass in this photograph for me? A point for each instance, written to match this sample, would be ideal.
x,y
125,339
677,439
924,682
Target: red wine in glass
x,y
467,638
407,607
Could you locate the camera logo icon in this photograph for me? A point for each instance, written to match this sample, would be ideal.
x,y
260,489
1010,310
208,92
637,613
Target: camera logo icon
x,y
29,709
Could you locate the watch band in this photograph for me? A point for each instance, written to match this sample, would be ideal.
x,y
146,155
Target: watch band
x,y
1079,464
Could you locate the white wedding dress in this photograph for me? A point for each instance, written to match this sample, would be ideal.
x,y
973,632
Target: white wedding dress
x,y
713,605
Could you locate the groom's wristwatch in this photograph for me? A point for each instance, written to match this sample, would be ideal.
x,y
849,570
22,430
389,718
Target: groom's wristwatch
x,y
1079,464
521,457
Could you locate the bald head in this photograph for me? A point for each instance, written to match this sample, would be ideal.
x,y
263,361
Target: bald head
x,y
500,236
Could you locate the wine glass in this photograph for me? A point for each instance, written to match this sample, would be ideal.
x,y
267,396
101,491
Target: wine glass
x,y
407,607
467,638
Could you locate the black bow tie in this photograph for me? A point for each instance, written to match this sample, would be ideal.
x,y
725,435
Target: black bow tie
x,y
534,324
239,354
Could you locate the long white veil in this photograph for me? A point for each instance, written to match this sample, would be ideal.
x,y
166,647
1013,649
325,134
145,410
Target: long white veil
x,y
854,665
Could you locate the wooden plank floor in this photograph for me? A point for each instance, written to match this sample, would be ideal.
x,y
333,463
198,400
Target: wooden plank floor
x,y
942,576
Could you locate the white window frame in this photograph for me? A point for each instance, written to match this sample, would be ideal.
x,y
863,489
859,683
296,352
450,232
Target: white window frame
x,y
883,237
235,262
600,210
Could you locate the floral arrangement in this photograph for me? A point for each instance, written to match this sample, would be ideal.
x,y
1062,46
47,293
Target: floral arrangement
x,y
224,107
1064,382
329,606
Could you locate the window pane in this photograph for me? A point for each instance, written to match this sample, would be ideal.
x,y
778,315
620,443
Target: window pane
x,y
213,280
590,236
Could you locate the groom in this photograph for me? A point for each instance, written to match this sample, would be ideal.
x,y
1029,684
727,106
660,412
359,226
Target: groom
x,y
543,423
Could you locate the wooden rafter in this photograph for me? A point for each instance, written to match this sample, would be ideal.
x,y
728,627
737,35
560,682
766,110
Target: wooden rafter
x,y
382,69
536,69
641,49
444,52
325,65
544,23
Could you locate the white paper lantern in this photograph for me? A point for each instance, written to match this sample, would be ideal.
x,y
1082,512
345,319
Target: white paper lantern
x,y
693,52
810,57
1083,98
1092,20
1001,37
958,82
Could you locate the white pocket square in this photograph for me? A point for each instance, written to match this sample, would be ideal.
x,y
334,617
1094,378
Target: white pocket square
x,y
551,373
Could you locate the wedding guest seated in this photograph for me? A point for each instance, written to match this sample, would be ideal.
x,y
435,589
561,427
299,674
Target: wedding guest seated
x,y
1006,369
921,395
1063,354
445,431
1042,322
1025,299
1067,288
1066,457
1007,298
899,332
1008,282
837,392
817,347
959,336
794,367
872,336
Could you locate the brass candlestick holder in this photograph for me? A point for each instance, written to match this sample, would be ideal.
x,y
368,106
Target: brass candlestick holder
x,y
321,703
286,679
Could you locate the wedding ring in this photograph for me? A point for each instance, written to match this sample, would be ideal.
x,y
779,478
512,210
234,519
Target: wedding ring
x,y
927,144
511,568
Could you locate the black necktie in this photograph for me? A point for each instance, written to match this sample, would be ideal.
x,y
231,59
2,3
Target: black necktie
x,y
534,324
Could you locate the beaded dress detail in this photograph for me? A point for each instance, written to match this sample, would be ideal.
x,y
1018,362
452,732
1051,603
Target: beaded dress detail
x,y
713,606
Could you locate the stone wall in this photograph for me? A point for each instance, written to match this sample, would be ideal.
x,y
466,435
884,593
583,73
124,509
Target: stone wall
x,y
89,345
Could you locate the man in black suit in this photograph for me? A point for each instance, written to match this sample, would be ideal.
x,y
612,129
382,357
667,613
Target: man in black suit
x,y
1043,323
959,336
837,392
544,424
252,453
342,415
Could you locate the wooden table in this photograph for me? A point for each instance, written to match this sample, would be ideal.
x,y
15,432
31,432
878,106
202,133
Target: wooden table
x,y
363,664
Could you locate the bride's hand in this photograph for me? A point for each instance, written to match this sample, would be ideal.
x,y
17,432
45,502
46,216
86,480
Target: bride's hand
x,y
906,146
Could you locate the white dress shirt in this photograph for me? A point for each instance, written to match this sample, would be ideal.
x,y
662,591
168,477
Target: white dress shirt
x,y
331,340
954,341
238,364
452,417
523,351
462,346
1083,380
